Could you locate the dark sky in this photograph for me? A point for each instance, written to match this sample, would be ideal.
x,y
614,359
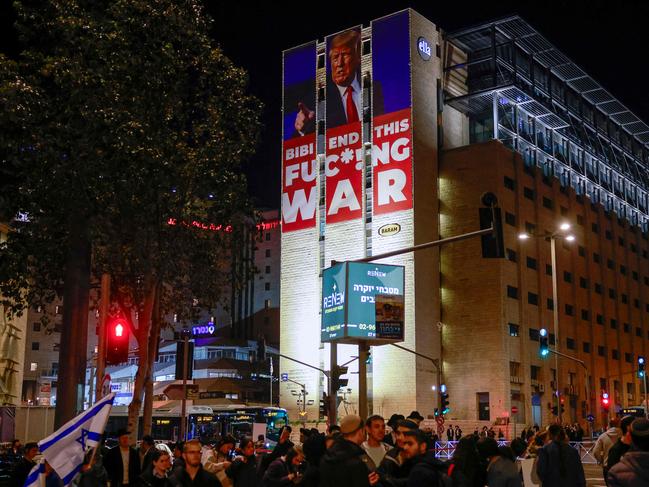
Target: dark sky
x,y
608,39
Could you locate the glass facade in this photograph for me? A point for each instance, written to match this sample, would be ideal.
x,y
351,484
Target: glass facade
x,y
520,89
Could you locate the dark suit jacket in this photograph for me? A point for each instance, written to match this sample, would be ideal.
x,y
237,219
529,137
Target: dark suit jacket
x,y
115,468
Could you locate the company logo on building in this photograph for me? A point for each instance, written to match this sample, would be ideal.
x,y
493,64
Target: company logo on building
x,y
376,273
389,229
423,47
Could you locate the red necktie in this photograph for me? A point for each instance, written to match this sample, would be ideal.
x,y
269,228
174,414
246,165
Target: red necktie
x,y
352,114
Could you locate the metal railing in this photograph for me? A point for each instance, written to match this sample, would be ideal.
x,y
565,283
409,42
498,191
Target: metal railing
x,y
445,449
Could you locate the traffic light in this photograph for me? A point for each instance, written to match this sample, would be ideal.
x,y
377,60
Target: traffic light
x,y
324,406
605,401
641,365
336,381
444,399
544,349
493,246
261,349
117,336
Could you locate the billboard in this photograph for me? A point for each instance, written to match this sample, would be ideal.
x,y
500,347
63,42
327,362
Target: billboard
x,y
391,114
299,162
344,113
350,293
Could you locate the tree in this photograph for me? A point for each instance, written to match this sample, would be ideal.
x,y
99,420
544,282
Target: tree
x,y
125,131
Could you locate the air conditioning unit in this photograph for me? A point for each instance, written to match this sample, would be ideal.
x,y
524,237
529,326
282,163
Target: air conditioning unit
x,y
541,387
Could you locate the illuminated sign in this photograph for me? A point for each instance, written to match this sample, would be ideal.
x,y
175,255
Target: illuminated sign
x,y
203,331
162,422
349,295
423,48
389,229
265,225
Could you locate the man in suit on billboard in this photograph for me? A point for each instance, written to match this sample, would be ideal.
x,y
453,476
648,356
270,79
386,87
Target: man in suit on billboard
x,y
344,96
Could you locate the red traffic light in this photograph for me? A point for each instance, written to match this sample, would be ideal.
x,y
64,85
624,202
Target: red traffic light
x,y
605,399
117,338
119,329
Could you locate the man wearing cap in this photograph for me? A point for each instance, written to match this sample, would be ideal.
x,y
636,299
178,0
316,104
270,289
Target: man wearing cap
x,y
392,424
346,463
122,462
395,467
415,417
633,469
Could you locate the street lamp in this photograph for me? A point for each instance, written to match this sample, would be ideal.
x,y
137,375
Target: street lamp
x,y
561,233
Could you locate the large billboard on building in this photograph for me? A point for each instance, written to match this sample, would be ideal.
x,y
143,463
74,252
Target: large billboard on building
x,y
344,113
350,293
299,161
391,114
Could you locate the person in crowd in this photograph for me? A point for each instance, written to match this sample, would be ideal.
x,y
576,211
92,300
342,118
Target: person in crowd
x,y
633,469
502,470
483,433
426,469
93,473
284,444
16,449
217,459
285,470
464,468
193,474
178,461
156,475
146,452
449,433
623,443
558,464
501,435
415,417
491,433
374,446
346,463
21,469
458,433
331,439
314,449
122,462
395,468
604,443
243,470
390,439
260,444
332,429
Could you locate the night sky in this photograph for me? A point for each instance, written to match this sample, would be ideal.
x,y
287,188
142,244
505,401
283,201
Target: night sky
x,y
609,40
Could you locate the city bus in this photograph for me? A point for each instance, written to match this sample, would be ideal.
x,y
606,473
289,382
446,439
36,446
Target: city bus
x,y
207,422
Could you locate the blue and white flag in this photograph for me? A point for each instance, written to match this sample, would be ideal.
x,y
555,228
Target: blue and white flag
x,y
65,449
36,477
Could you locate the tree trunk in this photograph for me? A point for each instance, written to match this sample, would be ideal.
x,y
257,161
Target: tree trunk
x,y
143,337
147,414
74,330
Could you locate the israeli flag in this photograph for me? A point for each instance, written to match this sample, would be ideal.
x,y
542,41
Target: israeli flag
x,y
65,449
36,477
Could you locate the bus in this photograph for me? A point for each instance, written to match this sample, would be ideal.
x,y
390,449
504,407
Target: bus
x,y
207,422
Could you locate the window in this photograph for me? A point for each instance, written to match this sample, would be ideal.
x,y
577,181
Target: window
x,y
600,319
267,236
267,286
627,328
548,269
585,315
509,183
623,270
567,276
266,303
512,292
511,255
583,283
570,343
615,354
547,203
569,310
535,372
595,228
625,298
267,269
36,327
613,323
528,193
36,346
531,263
534,334
601,351
582,251
628,357
646,280
267,252
596,257
610,264
533,298
513,329
530,228
550,303
611,293
636,303
585,347
620,241
598,288
510,219
634,275
608,234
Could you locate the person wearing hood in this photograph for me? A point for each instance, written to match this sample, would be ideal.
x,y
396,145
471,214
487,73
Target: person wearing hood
x,y
604,443
426,468
314,449
502,470
346,463
558,463
633,469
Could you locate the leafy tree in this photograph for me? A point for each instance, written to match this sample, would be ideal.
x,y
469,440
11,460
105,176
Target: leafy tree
x,y
122,129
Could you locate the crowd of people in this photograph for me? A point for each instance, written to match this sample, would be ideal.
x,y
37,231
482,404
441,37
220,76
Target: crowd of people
x,y
362,453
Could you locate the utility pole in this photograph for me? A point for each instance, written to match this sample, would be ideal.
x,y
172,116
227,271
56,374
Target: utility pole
x,y
183,410
104,304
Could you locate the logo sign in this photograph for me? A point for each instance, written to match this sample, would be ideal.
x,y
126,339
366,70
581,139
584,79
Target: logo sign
x,y
350,291
203,331
117,387
389,229
423,48
285,377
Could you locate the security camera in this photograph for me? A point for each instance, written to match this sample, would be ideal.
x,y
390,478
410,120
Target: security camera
x,y
489,199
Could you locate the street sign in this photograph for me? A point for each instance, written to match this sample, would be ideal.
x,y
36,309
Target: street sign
x,y
440,420
514,410
440,430
284,377
590,418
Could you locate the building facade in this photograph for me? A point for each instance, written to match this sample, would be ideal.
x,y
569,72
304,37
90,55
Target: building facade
x,y
495,108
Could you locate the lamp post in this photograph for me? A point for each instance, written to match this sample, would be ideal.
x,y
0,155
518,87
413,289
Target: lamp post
x,y
561,233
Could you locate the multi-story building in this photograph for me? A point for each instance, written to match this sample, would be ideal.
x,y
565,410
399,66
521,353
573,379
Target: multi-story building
x,y
493,108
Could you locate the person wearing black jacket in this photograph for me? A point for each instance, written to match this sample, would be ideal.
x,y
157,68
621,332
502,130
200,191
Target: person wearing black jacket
x,y
147,450
156,474
395,468
25,464
426,468
285,470
243,469
623,443
193,475
283,446
120,456
346,463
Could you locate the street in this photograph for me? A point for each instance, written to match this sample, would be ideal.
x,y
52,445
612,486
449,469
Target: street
x,y
594,475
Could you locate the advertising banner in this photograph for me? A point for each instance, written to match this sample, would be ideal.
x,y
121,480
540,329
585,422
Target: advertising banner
x,y
344,102
299,162
392,114
349,302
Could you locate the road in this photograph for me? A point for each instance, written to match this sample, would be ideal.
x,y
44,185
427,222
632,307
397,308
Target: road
x,y
594,475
